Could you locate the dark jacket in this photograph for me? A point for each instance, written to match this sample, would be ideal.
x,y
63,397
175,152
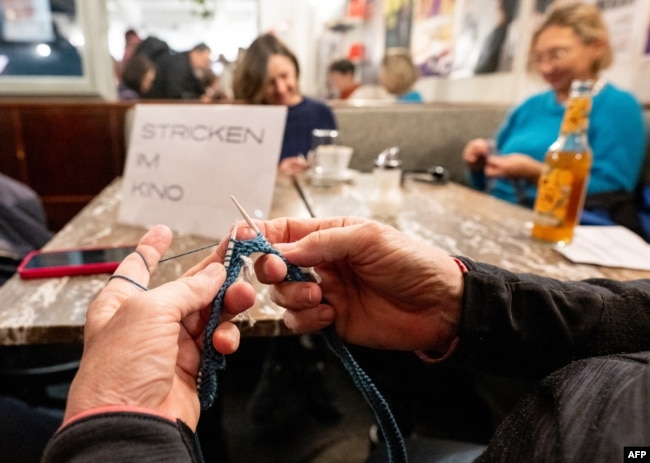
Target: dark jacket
x,y
175,79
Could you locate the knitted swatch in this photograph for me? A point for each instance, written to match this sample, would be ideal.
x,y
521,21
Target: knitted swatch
x,y
213,361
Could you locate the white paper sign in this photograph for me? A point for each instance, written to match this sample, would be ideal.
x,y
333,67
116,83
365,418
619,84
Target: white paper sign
x,y
185,161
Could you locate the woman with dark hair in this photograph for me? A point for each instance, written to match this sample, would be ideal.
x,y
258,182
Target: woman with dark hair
x,y
268,74
136,79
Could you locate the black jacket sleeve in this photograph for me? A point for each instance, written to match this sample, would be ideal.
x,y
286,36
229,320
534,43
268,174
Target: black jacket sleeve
x,y
527,325
113,437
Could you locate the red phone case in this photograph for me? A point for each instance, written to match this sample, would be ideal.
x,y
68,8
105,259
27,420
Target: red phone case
x,y
68,269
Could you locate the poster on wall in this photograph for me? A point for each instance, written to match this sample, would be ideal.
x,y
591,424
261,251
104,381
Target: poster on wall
x,y
486,37
432,38
620,17
398,17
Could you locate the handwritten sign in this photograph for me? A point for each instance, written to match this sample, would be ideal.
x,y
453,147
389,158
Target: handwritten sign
x,y
185,161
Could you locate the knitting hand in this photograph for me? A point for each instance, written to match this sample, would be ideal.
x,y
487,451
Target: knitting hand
x,y
142,349
293,165
514,166
476,152
382,289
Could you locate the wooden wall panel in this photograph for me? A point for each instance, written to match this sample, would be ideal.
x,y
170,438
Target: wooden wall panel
x,y
66,152
73,142
11,148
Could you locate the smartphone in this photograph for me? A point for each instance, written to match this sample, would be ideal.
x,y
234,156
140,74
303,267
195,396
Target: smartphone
x,y
68,262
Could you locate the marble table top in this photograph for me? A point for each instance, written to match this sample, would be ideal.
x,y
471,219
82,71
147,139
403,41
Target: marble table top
x,y
461,221
453,217
53,310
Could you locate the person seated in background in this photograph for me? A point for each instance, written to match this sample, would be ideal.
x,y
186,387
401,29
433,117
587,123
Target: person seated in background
x,y
571,43
342,80
131,41
178,75
212,90
138,74
268,73
153,48
23,222
586,343
398,74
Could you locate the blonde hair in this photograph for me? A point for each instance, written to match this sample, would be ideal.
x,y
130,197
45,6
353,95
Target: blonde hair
x,y
398,73
586,22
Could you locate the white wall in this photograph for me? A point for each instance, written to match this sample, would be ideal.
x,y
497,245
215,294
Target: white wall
x,y
233,25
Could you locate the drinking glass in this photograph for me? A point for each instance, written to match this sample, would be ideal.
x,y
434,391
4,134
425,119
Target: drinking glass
x,y
319,137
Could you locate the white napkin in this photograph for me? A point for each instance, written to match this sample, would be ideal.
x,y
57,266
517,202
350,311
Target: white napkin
x,y
610,246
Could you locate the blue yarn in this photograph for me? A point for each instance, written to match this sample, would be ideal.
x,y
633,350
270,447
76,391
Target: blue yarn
x,y
213,361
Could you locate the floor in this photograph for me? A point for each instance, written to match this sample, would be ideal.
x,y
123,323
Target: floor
x,y
427,401
430,402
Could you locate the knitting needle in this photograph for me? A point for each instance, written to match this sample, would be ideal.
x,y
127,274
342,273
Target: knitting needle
x,y
231,246
245,215
243,316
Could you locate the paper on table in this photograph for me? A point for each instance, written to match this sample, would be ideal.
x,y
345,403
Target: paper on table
x,y
613,246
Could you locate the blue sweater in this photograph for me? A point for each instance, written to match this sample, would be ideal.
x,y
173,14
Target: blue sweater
x,y
412,96
302,118
616,136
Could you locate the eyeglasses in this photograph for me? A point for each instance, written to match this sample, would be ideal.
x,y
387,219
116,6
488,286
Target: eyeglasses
x,y
553,56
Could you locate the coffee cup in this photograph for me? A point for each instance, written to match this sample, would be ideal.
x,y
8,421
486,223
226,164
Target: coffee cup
x,y
331,161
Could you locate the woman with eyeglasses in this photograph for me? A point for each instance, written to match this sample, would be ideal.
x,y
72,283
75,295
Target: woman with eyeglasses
x,y
571,43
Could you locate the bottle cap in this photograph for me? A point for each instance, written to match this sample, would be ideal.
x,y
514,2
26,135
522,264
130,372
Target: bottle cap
x,y
581,86
389,158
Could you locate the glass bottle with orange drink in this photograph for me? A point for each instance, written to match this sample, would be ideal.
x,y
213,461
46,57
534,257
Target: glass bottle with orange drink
x,y
563,184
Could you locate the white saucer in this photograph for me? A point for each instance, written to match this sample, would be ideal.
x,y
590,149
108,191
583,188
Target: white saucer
x,y
345,176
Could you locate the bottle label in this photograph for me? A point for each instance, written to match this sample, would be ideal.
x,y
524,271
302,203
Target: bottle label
x,y
554,193
576,116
